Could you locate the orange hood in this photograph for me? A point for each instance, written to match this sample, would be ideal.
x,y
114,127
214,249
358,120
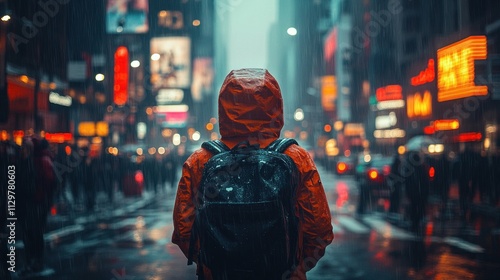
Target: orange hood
x,y
250,107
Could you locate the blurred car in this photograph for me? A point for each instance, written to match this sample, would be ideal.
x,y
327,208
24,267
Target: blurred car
x,y
373,180
361,165
345,166
429,146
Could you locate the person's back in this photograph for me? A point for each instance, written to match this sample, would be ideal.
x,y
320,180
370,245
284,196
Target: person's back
x,y
417,187
251,109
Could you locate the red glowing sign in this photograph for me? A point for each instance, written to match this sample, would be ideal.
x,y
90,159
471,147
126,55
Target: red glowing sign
x,y
429,130
468,137
425,76
58,137
390,92
120,88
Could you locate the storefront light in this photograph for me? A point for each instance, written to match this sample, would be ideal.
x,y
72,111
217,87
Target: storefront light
x,y
99,77
390,104
389,133
401,150
367,158
487,143
176,139
135,63
196,136
491,128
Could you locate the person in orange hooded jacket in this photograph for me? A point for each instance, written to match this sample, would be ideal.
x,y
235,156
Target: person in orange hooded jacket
x,y
251,108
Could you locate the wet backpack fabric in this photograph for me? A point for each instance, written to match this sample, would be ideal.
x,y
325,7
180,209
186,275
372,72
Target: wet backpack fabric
x,y
245,223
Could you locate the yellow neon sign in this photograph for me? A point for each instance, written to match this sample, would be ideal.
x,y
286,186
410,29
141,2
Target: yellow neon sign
x,y
446,124
456,68
419,105
328,92
86,129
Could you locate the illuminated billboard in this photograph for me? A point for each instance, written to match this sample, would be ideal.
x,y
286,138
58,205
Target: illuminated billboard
x,y
127,16
328,92
456,68
203,76
425,76
419,104
173,116
390,92
170,62
121,76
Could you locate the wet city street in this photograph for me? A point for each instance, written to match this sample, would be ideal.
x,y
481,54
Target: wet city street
x,y
104,105
131,240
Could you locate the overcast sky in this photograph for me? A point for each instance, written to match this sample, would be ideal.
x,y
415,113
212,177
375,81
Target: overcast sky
x,y
250,21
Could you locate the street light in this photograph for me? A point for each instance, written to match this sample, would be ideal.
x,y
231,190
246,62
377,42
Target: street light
x,y
299,115
292,31
135,63
99,77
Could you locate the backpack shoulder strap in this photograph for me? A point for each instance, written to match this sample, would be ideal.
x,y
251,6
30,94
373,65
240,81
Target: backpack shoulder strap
x,y
215,146
281,144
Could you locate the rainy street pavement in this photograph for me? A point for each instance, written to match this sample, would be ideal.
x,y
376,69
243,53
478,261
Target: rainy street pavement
x,y
132,241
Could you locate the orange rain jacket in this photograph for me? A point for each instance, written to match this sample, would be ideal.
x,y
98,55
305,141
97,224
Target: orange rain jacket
x,y
251,108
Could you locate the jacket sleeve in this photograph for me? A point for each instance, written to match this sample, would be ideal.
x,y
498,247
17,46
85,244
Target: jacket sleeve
x,y
184,211
184,208
315,222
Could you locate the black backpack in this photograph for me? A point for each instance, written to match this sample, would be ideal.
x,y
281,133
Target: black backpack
x,y
245,221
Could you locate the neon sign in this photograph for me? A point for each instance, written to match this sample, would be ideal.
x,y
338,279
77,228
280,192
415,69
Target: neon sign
x,y
425,76
446,124
468,137
120,88
59,137
456,68
56,98
429,129
419,105
390,92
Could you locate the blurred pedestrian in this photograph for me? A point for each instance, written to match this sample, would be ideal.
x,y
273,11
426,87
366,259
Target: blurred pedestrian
x,y
395,182
89,182
415,172
25,191
40,204
442,181
467,179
